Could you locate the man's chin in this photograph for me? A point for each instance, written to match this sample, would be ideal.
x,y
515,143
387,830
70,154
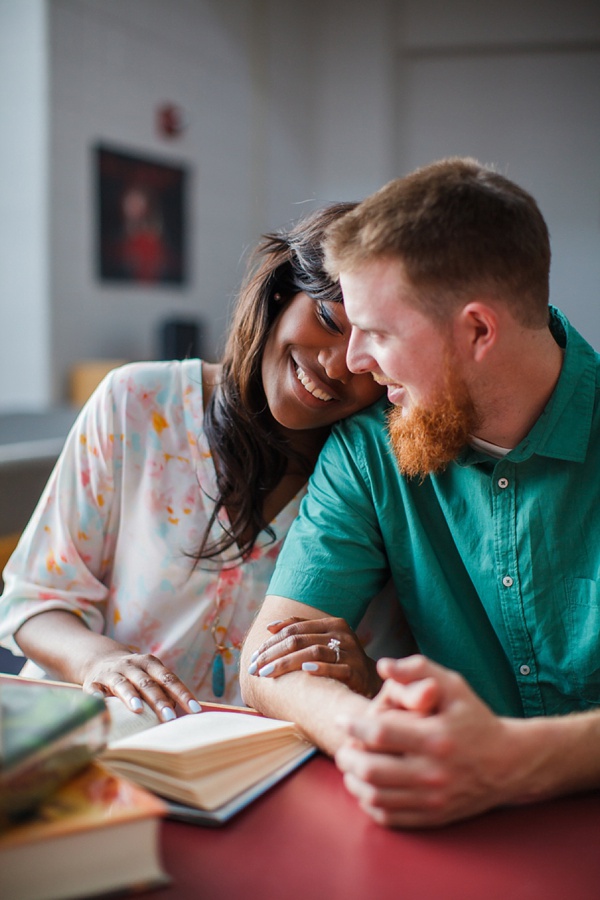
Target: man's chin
x,y
425,443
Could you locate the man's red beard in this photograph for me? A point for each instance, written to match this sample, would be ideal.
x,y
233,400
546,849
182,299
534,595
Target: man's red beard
x,y
427,439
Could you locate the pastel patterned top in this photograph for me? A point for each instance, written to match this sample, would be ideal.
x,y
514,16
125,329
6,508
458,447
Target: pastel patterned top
x,y
127,502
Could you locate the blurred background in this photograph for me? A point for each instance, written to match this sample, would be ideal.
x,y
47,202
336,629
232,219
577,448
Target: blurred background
x,y
264,109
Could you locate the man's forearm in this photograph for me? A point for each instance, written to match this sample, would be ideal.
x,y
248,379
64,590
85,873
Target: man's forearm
x,y
561,755
313,703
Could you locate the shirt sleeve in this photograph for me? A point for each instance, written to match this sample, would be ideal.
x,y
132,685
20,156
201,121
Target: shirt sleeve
x,y
63,553
333,557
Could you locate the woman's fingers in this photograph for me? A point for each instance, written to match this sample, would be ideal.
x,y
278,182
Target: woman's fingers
x,y
289,652
137,677
324,647
285,630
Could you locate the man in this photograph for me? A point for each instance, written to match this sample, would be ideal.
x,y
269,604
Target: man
x,y
488,518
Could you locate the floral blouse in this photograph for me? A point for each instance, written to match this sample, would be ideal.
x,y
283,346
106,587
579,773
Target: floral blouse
x,y
111,538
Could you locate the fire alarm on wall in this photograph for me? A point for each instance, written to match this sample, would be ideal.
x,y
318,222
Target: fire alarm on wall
x,y
170,120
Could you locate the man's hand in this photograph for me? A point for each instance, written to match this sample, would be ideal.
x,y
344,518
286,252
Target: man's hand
x,y
428,751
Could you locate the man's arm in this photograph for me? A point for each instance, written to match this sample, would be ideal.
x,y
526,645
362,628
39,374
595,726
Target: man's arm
x,y
313,703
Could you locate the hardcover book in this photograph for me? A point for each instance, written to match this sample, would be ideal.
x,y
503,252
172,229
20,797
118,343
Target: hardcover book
x,y
96,834
48,732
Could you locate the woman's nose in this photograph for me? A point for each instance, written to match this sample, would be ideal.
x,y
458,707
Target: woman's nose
x,y
333,360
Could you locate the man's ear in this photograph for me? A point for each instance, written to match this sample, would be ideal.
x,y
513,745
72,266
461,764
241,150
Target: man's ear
x,y
477,329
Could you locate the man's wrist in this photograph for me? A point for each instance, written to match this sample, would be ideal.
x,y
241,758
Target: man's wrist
x,y
550,756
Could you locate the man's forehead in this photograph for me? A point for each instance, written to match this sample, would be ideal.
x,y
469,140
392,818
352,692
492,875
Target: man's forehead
x,y
373,291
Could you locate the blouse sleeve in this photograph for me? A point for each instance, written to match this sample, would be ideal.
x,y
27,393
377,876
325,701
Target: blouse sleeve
x,y
67,546
333,557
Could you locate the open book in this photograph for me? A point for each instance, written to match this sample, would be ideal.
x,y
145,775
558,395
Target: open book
x,y
208,765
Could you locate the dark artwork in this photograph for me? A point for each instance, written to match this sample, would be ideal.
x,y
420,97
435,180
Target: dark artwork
x,y
141,221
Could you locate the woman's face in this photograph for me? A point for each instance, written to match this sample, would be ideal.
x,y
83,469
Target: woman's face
x,y
305,377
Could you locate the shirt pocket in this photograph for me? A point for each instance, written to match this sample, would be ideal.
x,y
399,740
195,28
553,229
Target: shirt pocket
x,y
583,625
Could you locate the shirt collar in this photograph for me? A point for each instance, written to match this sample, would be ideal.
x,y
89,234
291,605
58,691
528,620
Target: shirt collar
x,y
563,429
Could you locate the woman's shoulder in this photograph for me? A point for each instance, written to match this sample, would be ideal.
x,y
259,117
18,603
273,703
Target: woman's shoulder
x,y
153,392
159,379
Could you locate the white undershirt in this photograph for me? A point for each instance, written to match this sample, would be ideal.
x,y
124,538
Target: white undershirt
x,y
486,447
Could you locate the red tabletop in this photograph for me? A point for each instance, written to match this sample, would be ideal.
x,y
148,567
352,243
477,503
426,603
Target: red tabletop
x,y
307,839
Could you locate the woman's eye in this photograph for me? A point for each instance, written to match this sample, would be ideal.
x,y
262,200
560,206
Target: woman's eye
x,y
327,319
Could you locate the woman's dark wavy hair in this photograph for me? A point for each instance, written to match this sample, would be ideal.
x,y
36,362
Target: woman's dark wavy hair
x,y
252,454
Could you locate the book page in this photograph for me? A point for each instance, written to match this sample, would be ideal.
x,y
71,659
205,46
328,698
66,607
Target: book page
x,y
211,790
201,730
126,723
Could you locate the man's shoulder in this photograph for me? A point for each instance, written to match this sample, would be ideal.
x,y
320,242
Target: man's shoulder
x,y
370,421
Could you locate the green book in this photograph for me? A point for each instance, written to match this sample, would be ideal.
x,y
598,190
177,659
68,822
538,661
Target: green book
x,y
48,731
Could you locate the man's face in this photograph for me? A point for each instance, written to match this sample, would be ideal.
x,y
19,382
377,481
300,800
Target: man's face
x,y
412,355
401,347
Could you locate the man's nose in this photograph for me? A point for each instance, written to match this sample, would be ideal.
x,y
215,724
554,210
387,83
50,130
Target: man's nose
x,y
357,358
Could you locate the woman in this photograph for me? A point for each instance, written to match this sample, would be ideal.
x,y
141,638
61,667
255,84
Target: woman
x,y
153,543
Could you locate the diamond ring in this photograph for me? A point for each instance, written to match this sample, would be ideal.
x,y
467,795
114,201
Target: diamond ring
x,y
334,644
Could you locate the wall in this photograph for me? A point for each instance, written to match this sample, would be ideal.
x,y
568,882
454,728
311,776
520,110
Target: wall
x,y
289,105
112,66
24,283
247,145
518,86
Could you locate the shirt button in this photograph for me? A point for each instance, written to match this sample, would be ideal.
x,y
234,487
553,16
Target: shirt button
x,y
507,581
503,483
524,670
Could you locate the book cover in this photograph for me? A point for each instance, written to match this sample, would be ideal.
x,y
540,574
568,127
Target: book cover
x,y
48,731
96,834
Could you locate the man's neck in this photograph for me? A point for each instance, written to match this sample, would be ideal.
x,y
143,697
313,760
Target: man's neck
x,y
519,388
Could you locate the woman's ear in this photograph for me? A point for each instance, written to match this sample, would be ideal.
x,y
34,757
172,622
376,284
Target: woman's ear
x,y
477,329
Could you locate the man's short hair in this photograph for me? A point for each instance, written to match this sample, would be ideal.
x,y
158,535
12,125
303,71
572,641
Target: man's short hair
x,y
461,230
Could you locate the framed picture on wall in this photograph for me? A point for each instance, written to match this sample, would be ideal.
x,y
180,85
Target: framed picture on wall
x,y
140,217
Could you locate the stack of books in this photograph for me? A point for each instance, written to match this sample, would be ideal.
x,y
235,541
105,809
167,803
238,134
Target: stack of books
x,y
68,827
84,783
48,732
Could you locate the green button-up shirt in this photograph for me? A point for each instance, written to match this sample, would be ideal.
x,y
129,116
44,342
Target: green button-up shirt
x,y
496,562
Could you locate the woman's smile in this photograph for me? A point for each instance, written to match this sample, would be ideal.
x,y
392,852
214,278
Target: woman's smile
x,y
306,380
310,386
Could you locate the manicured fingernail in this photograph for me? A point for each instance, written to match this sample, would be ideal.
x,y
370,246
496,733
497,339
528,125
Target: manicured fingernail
x,y
136,703
98,694
276,622
252,669
194,706
167,714
254,656
310,667
267,670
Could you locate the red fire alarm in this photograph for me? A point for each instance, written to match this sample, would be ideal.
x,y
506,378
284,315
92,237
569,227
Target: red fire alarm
x,y
170,120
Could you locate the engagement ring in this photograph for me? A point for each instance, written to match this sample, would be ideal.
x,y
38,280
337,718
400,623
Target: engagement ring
x,y
334,644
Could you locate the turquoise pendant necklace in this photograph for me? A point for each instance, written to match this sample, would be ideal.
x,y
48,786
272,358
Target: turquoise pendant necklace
x,y
218,666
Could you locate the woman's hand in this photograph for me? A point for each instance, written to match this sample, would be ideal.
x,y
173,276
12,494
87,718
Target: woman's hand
x,y
66,649
133,677
324,647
